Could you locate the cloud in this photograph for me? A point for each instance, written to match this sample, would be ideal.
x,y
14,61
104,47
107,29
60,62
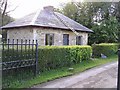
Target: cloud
x,y
28,6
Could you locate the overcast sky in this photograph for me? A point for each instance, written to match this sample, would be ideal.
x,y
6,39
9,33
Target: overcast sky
x,y
26,7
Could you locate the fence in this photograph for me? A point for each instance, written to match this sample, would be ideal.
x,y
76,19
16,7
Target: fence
x,y
118,77
19,59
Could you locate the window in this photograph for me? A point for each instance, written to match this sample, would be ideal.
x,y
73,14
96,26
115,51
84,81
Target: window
x,y
78,40
65,39
49,39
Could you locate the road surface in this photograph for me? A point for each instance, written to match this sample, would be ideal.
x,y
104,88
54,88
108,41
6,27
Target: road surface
x,y
104,76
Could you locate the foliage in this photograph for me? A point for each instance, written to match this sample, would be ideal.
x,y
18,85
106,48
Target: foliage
x,y
118,18
78,12
118,11
7,19
107,49
70,10
98,16
11,77
55,73
52,57
4,13
105,32
14,54
4,16
87,13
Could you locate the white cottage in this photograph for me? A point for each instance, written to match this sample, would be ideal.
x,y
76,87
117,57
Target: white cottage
x,y
49,28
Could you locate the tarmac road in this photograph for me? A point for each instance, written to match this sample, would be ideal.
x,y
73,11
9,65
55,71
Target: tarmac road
x,y
104,76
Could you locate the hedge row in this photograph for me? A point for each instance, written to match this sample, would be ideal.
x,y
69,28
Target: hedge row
x,y
107,49
50,57
14,54
59,56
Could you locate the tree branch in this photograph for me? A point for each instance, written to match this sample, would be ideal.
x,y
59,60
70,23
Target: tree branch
x,y
5,7
11,10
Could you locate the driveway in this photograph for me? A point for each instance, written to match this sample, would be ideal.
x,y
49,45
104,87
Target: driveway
x,y
104,76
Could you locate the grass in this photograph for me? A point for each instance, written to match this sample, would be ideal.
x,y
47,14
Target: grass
x,y
61,72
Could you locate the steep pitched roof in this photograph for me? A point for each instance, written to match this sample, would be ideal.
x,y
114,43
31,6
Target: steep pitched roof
x,y
47,18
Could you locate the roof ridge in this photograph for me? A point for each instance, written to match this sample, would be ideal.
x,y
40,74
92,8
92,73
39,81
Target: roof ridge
x,y
35,17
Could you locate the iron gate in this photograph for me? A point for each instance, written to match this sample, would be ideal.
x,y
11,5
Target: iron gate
x,y
19,55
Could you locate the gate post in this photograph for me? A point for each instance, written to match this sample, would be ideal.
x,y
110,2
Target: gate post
x,y
36,59
118,79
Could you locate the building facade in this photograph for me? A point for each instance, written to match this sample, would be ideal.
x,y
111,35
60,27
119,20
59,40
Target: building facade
x,y
45,36
49,28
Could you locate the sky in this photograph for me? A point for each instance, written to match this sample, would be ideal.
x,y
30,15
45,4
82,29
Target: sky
x,y
25,7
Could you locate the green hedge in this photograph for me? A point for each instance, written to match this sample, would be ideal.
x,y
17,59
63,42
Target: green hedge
x,y
107,49
50,57
13,55
58,56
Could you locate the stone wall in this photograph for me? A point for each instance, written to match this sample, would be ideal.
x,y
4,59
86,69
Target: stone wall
x,y
39,34
20,33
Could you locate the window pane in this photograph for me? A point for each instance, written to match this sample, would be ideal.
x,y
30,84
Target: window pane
x,y
65,39
49,39
78,40
46,39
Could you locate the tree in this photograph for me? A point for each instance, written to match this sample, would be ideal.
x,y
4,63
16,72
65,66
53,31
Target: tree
x,y
4,17
78,12
3,8
95,15
118,18
87,13
106,32
70,10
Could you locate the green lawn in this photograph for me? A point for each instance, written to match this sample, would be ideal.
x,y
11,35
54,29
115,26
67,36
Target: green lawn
x,y
61,72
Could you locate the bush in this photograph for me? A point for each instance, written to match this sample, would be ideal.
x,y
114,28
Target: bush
x,y
14,55
51,57
58,56
107,49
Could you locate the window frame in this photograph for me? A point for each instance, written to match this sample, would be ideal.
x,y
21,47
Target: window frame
x,y
78,40
67,39
49,39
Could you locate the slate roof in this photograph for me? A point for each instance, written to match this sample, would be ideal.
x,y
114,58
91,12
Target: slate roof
x,y
47,18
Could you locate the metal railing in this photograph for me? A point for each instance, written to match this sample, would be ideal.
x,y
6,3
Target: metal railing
x,y
118,79
19,57
19,54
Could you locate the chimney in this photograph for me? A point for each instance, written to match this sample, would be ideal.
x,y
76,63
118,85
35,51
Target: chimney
x,y
49,8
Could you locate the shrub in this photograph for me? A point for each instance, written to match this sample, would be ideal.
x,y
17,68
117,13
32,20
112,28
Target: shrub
x,y
14,54
50,57
58,56
107,49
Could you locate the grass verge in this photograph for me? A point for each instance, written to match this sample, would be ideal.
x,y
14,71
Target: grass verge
x,y
61,72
